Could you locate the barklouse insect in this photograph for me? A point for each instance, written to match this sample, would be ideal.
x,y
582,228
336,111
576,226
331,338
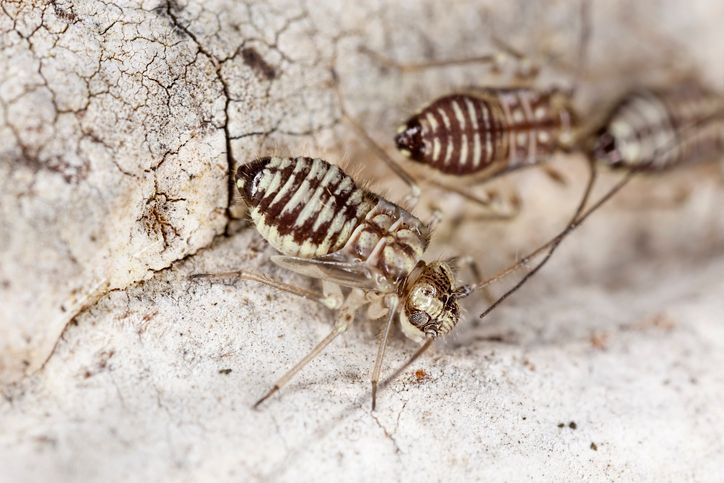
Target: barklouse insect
x,y
479,133
327,227
647,130
653,129
488,131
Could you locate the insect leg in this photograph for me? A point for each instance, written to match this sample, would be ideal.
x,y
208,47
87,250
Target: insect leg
x,y
435,219
554,175
578,217
495,59
502,53
413,195
344,320
494,208
526,69
392,305
327,300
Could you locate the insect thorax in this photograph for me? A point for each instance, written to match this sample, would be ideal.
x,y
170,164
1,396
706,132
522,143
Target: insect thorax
x,y
390,240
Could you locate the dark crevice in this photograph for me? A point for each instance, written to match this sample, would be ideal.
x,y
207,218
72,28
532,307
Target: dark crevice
x,y
171,9
96,296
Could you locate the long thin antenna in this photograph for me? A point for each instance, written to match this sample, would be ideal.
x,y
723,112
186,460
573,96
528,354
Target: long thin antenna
x,y
552,244
579,218
584,41
555,243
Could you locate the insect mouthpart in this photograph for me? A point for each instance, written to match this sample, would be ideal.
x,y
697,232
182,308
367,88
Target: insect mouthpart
x,y
605,149
409,140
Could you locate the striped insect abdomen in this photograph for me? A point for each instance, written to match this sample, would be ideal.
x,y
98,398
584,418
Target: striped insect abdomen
x,y
489,128
302,206
657,129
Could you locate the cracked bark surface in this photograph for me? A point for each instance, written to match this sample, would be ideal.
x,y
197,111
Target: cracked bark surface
x,y
119,126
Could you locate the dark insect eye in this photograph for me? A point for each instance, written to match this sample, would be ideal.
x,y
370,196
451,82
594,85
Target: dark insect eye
x,y
419,318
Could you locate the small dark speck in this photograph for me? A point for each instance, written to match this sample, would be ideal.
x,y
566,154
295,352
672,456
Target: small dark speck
x,y
572,425
594,447
524,418
253,59
560,425
68,16
224,371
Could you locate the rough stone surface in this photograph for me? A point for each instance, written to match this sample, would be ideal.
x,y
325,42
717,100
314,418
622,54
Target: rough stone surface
x,y
119,125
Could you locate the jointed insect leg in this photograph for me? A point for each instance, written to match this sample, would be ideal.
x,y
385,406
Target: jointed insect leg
x,y
494,59
554,175
331,301
504,51
344,320
413,196
392,305
495,209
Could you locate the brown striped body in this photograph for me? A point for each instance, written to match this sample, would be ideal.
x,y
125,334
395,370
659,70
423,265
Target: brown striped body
x,y
309,208
492,129
390,240
654,129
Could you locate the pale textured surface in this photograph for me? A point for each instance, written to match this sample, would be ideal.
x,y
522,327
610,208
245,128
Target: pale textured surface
x,y
115,125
